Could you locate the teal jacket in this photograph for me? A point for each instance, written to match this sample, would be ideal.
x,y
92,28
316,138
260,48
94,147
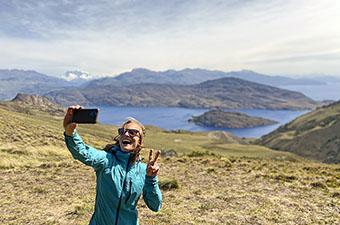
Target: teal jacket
x,y
119,184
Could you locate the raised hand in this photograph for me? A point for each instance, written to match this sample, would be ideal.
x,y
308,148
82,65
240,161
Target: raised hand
x,y
68,125
152,167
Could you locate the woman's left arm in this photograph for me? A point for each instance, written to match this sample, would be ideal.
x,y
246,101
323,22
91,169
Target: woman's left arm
x,y
151,193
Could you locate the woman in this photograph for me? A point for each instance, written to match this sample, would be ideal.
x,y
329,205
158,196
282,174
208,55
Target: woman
x,y
121,177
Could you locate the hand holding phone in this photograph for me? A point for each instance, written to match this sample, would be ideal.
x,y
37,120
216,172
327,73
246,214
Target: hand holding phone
x,y
70,121
85,115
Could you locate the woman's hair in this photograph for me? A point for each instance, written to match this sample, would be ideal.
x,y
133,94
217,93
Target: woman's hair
x,y
136,154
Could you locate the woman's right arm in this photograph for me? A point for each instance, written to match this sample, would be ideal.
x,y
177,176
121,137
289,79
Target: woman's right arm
x,y
79,150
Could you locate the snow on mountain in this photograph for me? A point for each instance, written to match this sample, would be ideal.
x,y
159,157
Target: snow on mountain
x,y
77,75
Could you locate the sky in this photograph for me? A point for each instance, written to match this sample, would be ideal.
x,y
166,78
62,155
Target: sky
x,y
107,37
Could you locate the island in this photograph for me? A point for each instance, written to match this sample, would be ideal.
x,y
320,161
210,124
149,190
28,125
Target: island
x,y
220,119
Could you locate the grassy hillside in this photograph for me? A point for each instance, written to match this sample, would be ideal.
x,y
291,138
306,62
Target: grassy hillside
x,y
315,135
219,181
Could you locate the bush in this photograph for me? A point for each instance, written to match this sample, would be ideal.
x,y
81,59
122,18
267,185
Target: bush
x,y
168,184
211,170
169,153
200,154
319,185
285,178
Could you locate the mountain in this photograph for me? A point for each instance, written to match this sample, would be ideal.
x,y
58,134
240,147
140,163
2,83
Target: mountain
x,y
33,104
32,82
221,119
141,75
27,81
195,76
315,135
229,93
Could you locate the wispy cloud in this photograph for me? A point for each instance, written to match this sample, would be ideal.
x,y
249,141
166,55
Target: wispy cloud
x,y
108,37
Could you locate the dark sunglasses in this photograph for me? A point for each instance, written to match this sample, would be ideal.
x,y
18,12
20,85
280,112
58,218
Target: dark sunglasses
x,y
131,132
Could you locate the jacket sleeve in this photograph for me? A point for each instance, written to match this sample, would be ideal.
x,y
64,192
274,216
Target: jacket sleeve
x,y
85,153
152,194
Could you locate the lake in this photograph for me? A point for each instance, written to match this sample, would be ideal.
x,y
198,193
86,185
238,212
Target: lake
x,y
177,118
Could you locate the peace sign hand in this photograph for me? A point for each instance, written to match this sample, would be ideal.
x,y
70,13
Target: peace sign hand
x,y
152,167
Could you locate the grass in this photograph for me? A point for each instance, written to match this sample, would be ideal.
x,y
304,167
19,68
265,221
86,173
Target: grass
x,y
313,135
210,182
257,191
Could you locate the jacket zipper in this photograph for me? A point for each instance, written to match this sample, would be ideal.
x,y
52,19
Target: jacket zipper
x,y
121,194
129,192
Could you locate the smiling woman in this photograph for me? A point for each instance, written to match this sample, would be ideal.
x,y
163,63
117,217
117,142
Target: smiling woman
x,y
121,176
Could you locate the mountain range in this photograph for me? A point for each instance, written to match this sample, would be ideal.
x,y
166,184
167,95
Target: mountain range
x,y
228,93
165,82
196,76
27,81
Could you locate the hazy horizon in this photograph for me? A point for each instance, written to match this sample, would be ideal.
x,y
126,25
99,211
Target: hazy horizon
x,y
288,38
97,76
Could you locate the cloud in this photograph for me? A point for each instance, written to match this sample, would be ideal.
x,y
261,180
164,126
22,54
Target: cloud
x,y
108,37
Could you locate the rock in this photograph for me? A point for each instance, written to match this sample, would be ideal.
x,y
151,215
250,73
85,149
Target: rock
x,y
33,104
169,153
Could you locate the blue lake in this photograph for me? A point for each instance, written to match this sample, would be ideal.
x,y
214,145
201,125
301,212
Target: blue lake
x,y
177,118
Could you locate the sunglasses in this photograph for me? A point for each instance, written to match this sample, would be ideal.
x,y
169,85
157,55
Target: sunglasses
x,y
131,132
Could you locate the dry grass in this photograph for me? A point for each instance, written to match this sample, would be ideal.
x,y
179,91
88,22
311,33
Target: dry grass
x,y
217,184
212,190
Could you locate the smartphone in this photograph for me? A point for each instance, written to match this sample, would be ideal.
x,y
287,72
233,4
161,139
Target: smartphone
x,y
85,115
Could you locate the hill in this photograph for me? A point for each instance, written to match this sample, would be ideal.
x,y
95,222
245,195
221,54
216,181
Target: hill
x,y
314,135
229,93
33,104
217,182
221,119
27,81
195,76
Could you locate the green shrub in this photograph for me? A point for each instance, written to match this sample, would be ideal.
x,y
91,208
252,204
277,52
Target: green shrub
x,y
168,184
200,154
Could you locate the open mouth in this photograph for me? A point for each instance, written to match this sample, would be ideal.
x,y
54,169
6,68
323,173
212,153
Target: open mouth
x,y
127,142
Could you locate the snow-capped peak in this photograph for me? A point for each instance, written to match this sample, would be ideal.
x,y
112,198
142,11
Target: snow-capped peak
x,y
77,75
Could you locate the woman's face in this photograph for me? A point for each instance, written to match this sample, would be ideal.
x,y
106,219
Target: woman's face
x,y
130,136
